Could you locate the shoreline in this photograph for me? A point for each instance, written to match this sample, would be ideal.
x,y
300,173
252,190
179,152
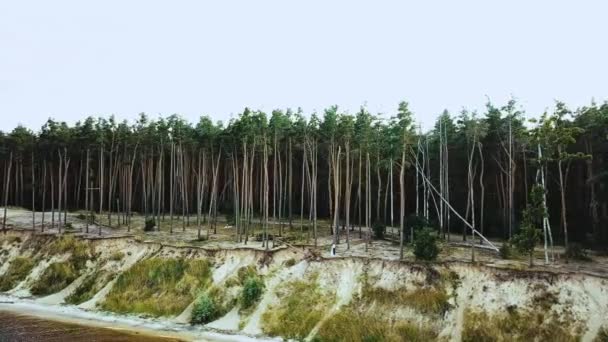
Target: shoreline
x,y
128,324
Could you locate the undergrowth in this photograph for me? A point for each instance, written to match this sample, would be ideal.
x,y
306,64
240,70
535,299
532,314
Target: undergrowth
x,y
89,287
210,306
357,325
426,300
78,249
252,291
18,270
515,325
158,287
300,307
61,274
55,278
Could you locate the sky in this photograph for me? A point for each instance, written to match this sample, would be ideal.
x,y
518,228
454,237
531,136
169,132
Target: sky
x,y
71,59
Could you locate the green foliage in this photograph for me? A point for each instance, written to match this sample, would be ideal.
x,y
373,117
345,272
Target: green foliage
x,y
149,225
425,244
533,215
252,291
505,250
416,222
205,310
158,286
17,271
379,229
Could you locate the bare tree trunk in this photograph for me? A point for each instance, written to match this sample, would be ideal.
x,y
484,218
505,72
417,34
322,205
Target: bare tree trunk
x,y
86,197
33,193
7,180
483,190
43,193
562,190
336,174
402,204
347,194
171,182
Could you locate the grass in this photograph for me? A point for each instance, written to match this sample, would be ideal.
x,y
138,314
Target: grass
x,y
426,300
78,249
117,256
61,274
301,306
158,287
55,278
514,325
241,275
18,270
356,325
89,287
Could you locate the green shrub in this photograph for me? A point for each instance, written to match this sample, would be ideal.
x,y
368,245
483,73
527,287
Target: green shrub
x,y
205,310
149,225
505,250
416,222
18,270
290,262
425,244
379,229
230,219
576,251
252,291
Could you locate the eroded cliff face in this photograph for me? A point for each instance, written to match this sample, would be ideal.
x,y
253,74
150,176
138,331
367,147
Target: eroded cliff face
x,y
293,294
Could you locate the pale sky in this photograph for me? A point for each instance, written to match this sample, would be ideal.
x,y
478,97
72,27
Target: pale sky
x,y
71,59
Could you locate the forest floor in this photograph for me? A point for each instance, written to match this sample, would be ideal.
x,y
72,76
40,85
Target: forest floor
x,y
185,233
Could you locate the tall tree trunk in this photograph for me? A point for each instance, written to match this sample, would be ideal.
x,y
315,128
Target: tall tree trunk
x,y
402,204
7,180
33,193
43,193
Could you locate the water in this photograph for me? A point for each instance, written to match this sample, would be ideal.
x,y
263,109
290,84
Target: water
x,y
22,328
